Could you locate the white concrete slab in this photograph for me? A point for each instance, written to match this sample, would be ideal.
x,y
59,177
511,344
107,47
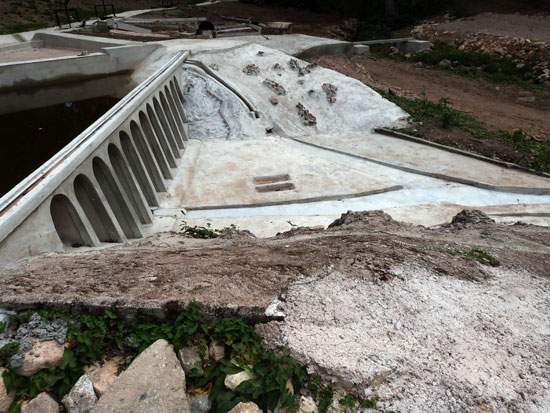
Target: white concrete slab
x,y
430,160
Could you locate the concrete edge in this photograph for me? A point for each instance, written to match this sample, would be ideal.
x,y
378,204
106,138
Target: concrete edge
x,y
509,165
330,49
298,201
497,188
157,310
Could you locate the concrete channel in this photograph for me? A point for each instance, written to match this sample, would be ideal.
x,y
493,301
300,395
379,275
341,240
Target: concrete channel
x,y
195,138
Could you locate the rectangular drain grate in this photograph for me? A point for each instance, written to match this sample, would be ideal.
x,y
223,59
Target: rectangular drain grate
x,y
273,183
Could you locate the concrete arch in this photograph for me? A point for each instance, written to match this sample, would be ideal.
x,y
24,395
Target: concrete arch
x,y
175,109
94,209
115,199
171,121
158,152
146,157
178,90
68,224
164,122
126,180
137,168
178,102
167,144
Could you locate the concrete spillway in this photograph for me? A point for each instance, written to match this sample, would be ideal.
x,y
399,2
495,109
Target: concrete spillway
x,y
210,140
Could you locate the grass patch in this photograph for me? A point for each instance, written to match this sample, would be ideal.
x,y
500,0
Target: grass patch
x,y
480,65
442,114
91,337
474,254
202,232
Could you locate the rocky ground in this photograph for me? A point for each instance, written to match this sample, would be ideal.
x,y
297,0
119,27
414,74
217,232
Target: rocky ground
x,y
525,39
452,318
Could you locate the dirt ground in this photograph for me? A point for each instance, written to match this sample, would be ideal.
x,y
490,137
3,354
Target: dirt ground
x,y
499,106
329,25
379,293
511,25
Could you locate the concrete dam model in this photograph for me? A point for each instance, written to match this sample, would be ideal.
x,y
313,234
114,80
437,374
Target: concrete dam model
x,y
228,131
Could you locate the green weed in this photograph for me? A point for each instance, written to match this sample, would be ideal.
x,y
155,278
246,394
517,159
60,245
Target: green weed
x,y
93,336
199,231
475,254
442,114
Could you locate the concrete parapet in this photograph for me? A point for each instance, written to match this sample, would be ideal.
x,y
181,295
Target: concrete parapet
x,y
100,188
361,49
414,46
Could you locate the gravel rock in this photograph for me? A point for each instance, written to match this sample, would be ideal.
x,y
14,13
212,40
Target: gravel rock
x,y
154,382
252,70
199,403
307,405
246,408
445,63
5,397
103,376
275,87
43,403
330,91
189,358
307,118
216,351
81,398
41,356
232,381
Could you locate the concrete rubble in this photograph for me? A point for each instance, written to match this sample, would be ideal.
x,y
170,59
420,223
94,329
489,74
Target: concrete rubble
x,y
245,408
43,403
42,355
154,381
189,357
82,397
232,381
102,375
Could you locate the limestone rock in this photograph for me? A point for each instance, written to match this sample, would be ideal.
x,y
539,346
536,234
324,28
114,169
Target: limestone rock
x,y
232,381
5,397
189,358
81,398
307,405
216,351
102,376
154,382
41,356
245,408
42,403
199,403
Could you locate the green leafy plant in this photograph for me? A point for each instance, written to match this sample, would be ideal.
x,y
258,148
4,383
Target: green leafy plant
x,y
92,336
441,113
7,351
475,253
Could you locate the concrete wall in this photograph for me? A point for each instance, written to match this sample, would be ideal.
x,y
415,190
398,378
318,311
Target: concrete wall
x,y
39,83
101,187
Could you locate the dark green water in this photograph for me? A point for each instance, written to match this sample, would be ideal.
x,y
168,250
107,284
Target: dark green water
x,y
30,138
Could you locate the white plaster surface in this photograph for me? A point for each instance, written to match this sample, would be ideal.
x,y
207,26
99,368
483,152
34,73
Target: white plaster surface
x,y
428,159
357,107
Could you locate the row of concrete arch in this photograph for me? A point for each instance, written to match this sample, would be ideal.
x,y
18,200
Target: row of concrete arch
x,y
109,198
